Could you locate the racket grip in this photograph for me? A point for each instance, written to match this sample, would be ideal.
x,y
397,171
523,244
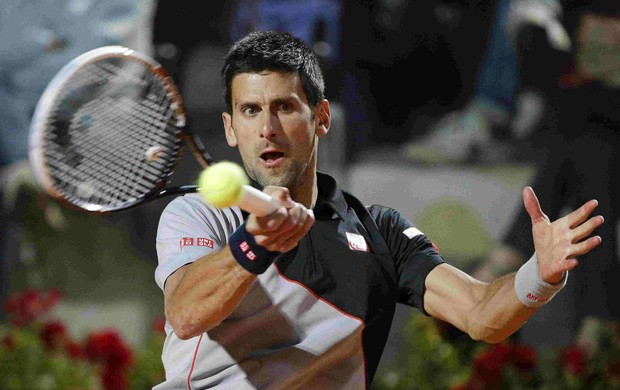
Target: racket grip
x,y
257,202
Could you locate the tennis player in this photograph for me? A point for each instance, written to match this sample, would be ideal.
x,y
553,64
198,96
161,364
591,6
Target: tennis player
x,y
304,298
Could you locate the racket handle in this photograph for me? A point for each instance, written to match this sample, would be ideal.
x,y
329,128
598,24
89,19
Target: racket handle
x,y
257,202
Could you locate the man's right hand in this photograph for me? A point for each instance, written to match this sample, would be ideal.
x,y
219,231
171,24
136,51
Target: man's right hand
x,y
281,230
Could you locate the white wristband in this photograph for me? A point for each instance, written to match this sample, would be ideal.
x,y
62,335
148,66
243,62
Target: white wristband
x,y
531,289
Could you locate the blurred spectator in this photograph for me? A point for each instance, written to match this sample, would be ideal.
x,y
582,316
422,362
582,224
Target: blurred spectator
x,y
206,22
37,38
507,105
317,22
369,48
426,50
578,162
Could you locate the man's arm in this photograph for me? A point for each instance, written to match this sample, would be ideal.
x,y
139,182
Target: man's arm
x,y
202,294
493,311
486,311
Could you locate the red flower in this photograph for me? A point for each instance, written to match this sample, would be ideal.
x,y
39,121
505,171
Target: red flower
x,y
108,348
573,360
73,349
26,306
53,334
488,366
31,304
100,345
51,298
8,342
114,378
11,305
524,357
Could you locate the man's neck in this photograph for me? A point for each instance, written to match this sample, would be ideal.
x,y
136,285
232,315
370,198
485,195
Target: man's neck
x,y
307,191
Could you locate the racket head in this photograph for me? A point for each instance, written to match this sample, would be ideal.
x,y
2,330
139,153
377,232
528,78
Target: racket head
x,y
107,131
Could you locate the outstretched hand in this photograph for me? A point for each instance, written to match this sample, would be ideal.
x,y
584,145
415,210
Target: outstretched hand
x,y
558,243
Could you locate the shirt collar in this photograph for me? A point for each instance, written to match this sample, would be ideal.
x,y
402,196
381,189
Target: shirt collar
x,y
329,197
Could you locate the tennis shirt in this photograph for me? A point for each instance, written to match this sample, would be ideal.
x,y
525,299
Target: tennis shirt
x,y
319,317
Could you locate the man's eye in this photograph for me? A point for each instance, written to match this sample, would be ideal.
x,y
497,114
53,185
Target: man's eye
x,y
286,107
249,111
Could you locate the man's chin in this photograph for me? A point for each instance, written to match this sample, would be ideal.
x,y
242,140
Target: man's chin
x,y
277,177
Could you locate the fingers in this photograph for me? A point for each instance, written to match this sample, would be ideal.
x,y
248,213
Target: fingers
x,y
558,244
569,264
530,201
266,224
292,230
579,229
281,194
582,231
295,235
282,230
586,246
273,221
580,215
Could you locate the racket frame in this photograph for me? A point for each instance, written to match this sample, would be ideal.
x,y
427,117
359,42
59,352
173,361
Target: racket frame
x,y
49,99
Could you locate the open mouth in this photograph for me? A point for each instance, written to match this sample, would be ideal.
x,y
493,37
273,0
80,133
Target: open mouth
x,y
270,157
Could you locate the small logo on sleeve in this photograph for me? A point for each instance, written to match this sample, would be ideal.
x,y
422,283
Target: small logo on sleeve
x,y
186,241
200,241
357,242
412,232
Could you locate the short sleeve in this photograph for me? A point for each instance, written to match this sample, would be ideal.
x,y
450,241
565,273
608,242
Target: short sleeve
x,y
415,256
188,230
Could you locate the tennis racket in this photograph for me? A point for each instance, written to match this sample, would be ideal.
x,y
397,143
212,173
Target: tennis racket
x,y
110,129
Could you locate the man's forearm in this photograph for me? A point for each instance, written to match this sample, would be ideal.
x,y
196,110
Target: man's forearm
x,y
500,313
206,293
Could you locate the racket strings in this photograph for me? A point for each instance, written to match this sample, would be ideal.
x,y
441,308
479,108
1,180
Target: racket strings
x,y
154,109
110,159
117,138
106,164
127,173
100,189
139,143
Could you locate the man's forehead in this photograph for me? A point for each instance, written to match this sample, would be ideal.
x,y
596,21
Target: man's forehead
x,y
266,85
266,76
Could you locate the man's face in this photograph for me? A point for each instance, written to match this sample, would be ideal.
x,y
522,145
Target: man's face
x,y
274,127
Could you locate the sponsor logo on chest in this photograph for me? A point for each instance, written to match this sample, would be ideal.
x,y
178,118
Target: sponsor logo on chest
x,y
357,242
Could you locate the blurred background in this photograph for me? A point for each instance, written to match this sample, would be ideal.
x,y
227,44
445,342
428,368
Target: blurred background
x,y
442,109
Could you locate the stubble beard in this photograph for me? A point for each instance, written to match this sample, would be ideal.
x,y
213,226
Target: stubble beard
x,y
289,175
284,177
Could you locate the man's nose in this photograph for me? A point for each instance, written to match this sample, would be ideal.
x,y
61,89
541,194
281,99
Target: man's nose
x,y
269,125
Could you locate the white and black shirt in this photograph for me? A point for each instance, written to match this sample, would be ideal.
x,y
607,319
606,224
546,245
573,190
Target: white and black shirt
x,y
319,317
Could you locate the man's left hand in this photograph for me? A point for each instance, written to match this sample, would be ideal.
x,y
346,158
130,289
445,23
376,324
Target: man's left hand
x,y
558,243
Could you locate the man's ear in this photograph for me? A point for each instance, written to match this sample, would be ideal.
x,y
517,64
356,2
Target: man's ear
x,y
323,116
231,137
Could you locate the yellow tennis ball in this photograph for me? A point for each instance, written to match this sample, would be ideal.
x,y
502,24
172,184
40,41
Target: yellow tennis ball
x,y
221,184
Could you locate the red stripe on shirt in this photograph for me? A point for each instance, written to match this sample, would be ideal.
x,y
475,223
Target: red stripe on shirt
x,y
189,376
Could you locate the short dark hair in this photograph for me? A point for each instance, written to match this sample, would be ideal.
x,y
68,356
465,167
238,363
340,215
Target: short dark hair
x,y
274,50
